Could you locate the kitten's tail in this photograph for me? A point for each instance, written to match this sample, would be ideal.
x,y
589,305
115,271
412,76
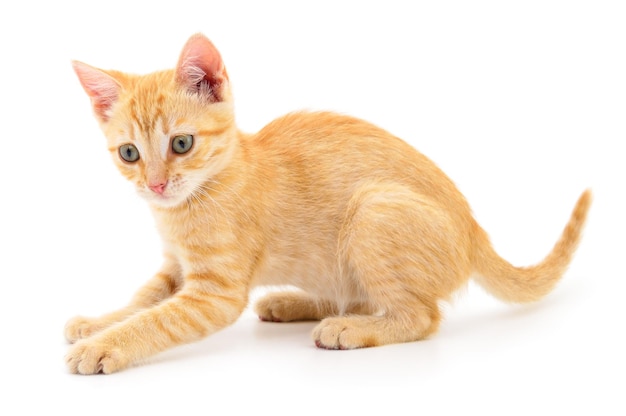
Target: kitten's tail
x,y
527,284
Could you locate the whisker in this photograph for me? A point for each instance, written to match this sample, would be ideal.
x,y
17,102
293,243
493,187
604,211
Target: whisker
x,y
232,192
202,194
194,201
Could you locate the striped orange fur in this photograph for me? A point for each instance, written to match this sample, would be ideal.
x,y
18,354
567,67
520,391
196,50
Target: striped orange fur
x,y
372,233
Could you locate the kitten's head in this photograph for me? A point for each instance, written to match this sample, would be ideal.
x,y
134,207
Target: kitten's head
x,y
169,132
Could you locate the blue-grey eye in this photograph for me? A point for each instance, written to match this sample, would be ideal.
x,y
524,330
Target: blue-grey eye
x,y
129,153
182,144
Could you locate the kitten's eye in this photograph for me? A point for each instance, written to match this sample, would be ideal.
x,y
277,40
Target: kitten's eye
x,y
129,153
182,144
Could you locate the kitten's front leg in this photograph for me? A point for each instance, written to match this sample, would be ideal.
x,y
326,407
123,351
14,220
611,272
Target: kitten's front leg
x,y
203,306
163,285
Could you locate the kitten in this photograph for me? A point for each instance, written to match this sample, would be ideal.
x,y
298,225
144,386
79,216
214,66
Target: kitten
x,y
370,230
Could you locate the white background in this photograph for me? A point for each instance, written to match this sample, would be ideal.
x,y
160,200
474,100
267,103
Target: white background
x,y
523,104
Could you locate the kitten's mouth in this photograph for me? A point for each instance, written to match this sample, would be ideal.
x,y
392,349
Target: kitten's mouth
x,y
164,193
164,199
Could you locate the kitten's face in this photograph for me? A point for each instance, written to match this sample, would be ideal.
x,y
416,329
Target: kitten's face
x,y
167,141
169,132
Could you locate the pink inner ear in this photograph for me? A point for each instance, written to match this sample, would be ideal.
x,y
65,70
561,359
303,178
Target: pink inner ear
x,y
102,88
201,62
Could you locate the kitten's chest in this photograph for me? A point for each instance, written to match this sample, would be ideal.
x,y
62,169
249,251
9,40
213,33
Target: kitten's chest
x,y
193,234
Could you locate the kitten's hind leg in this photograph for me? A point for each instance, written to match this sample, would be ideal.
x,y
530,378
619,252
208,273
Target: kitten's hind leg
x,y
163,285
404,255
293,306
362,331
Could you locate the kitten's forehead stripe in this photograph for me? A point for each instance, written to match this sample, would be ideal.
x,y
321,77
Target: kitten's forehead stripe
x,y
149,121
146,109
218,131
133,113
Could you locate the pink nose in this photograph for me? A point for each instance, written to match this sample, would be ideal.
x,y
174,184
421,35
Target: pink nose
x,y
158,188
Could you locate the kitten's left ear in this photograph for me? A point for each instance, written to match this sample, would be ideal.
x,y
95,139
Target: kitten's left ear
x,y
101,87
200,69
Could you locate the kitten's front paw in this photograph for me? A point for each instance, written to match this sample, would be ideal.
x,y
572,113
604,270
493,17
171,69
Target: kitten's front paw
x,y
93,357
80,327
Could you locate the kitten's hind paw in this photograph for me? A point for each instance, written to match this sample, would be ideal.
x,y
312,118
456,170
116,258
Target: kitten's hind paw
x,y
292,306
265,310
344,333
269,318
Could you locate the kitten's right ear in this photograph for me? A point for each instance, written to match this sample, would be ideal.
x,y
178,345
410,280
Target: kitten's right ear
x,y
101,87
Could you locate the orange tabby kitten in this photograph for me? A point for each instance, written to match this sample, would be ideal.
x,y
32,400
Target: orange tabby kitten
x,y
371,231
